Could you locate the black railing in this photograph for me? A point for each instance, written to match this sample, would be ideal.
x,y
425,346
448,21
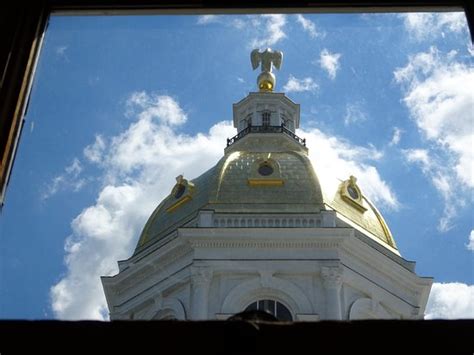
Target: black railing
x,y
265,129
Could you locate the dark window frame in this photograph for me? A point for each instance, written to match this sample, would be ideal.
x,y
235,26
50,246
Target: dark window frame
x,y
23,23
266,118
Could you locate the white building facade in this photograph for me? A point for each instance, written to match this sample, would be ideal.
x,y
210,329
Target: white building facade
x,y
260,231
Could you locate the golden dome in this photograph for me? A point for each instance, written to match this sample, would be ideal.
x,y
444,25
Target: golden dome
x,y
265,174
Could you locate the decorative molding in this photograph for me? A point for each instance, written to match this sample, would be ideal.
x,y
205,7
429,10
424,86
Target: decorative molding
x,y
277,221
388,270
201,275
182,191
332,275
144,270
152,247
263,244
138,307
371,267
154,304
351,193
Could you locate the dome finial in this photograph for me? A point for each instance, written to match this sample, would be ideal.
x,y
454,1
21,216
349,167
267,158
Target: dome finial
x,y
266,80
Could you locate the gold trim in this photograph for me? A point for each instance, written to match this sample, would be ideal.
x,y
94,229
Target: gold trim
x,y
178,203
189,190
388,233
266,182
356,203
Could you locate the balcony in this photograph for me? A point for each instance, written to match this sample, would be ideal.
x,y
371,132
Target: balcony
x,y
265,129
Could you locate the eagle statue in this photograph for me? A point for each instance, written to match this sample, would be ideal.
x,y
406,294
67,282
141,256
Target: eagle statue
x,y
266,80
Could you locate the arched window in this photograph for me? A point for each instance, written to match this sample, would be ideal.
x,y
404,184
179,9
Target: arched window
x,y
279,310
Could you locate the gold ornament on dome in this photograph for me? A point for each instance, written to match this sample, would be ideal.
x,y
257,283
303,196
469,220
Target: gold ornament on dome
x,y
351,193
182,192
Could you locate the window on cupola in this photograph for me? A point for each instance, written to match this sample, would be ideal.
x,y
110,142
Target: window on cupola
x,y
266,118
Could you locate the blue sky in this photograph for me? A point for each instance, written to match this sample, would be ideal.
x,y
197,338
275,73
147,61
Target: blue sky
x,y
122,105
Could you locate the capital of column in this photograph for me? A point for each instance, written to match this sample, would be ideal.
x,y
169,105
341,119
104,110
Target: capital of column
x,y
200,275
332,276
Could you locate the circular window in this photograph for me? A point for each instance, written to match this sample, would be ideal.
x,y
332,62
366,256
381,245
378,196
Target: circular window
x,y
353,192
272,307
265,169
179,191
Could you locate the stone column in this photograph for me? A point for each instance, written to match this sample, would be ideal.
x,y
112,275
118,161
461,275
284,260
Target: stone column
x,y
200,282
332,281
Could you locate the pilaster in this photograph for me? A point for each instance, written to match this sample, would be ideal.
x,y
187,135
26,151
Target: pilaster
x,y
332,275
200,281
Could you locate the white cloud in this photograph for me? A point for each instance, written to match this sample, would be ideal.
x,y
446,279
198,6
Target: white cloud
x,y
441,180
139,169
101,233
450,301
308,26
438,93
262,30
238,23
226,20
335,159
397,135
61,52
419,156
69,179
74,169
422,26
164,109
300,85
470,245
206,19
329,62
94,152
354,114
273,30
